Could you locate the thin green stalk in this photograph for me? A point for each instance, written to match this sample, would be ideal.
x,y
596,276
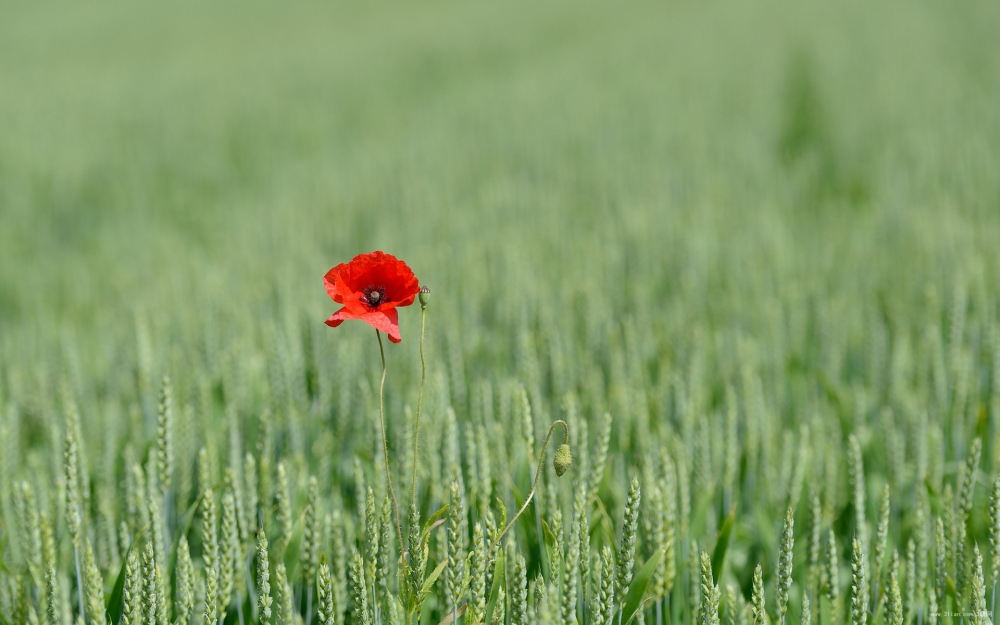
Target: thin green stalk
x,y
534,485
385,444
420,403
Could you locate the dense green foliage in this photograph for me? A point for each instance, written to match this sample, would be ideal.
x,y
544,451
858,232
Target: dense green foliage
x,y
746,251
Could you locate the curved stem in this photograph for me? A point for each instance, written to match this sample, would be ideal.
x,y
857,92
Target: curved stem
x,y
534,485
420,403
385,444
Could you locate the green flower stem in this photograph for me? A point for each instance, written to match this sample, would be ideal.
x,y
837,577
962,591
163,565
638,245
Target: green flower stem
x,y
420,403
534,485
385,444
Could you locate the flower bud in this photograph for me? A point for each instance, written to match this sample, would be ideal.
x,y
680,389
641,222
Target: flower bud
x,y
563,459
425,294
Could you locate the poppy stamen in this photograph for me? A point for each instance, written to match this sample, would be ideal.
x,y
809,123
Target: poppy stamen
x,y
373,296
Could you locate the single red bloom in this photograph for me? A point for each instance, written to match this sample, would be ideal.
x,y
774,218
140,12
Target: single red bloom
x,y
370,287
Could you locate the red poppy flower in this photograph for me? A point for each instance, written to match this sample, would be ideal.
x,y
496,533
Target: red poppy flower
x,y
370,287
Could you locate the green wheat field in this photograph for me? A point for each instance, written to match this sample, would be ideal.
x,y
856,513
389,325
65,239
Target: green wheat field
x,y
746,253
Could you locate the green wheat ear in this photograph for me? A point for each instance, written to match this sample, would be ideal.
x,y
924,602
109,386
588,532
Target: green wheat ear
x,y
732,609
362,613
95,586
910,588
132,594
894,602
859,584
694,588
370,524
283,512
581,515
626,552
967,479
324,585
785,555
230,550
151,582
519,589
311,536
571,570
210,613
857,481
164,438
455,549
881,538
708,613
832,573
477,577
940,562
977,596
558,542
19,595
384,560
416,562
29,526
283,596
815,540
932,609
250,501
669,532
994,532
184,600
209,535
500,610
73,504
338,567
920,541
607,585
757,610
52,610
263,579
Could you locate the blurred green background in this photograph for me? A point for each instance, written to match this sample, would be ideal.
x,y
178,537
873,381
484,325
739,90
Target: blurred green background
x,y
621,206
189,158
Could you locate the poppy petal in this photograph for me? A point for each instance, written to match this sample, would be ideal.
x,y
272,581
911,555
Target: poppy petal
x,y
340,317
330,282
387,321
350,297
380,269
403,290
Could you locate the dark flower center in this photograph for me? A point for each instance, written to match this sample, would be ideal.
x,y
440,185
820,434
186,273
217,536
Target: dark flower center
x,y
373,296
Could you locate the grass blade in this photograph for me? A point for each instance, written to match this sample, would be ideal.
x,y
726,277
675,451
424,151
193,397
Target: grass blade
x,y
722,544
637,589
